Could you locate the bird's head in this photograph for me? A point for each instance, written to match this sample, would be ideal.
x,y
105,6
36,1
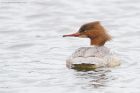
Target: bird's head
x,y
94,31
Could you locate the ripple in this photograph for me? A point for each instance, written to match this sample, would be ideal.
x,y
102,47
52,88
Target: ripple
x,y
21,46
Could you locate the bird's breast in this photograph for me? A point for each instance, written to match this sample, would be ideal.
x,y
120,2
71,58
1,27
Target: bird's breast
x,y
100,56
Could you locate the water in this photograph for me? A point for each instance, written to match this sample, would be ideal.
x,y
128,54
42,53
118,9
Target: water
x,y
33,52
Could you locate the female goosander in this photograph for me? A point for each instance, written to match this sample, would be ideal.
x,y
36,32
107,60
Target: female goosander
x,y
99,55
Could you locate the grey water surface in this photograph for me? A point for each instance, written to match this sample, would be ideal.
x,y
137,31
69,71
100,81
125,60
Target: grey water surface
x,y
33,51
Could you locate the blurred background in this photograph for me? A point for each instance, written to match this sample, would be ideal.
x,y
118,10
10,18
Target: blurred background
x,y
33,51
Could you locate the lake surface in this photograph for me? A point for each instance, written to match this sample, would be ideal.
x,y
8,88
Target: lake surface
x,y
33,51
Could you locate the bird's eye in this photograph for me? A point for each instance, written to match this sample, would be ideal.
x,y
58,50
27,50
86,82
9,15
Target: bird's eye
x,y
82,29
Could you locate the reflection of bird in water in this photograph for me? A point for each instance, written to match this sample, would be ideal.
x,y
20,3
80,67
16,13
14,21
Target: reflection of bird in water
x,y
99,54
94,79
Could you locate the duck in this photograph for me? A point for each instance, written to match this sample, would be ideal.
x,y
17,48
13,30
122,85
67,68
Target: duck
x,y
97,53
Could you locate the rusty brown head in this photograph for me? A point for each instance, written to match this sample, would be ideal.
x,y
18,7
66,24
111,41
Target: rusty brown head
x,y
94,31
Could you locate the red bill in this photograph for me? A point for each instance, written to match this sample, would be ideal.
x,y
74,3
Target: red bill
x,y
72,35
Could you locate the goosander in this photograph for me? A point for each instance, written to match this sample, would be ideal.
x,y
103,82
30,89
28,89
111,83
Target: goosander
x,y
97,54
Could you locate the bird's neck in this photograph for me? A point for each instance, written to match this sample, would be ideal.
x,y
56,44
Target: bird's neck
x,y
97,41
